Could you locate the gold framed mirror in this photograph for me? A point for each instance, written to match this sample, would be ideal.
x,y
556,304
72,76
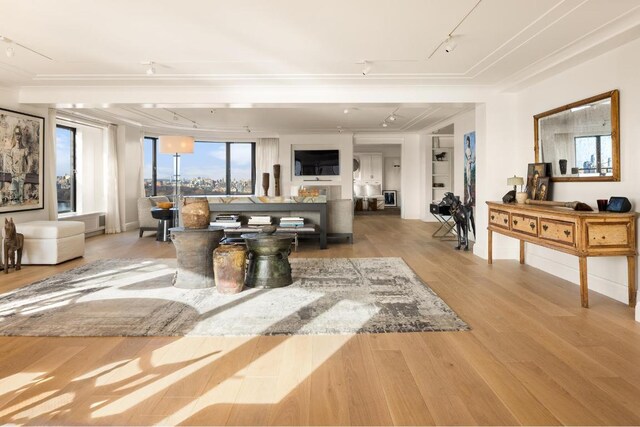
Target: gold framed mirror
x,y
581,140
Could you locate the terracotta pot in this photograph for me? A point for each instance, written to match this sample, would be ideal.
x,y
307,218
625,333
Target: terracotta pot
x,y
195,212
228,268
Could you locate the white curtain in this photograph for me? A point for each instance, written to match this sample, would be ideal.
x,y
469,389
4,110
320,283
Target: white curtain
x,y
267,155
112,219
50,187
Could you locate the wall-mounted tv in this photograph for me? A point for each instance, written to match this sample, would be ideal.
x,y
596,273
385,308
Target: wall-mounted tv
x,y
317,162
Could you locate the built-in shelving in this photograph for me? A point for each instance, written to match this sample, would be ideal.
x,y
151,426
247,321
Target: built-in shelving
x,y
441,172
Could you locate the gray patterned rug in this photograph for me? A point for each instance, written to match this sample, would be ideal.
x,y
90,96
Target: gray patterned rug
x,y
134,297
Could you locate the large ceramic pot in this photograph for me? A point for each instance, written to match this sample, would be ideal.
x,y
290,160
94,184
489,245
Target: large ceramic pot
x,y
268,256
195,212
229,262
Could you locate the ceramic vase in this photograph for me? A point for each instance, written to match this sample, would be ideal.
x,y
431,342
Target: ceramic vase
x,y
195,212
563,166
229,263
521,196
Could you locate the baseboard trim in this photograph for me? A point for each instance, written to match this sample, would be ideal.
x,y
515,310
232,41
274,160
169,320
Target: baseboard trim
x,y
131,226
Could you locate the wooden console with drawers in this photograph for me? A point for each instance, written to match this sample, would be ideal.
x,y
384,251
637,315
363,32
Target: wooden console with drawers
x,y
583,234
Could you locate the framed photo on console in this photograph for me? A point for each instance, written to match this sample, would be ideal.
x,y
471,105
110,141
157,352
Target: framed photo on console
x,y
21,161
535,171
390,198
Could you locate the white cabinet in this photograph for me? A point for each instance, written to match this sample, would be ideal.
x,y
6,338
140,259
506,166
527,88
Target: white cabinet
x,y
371,168
442,172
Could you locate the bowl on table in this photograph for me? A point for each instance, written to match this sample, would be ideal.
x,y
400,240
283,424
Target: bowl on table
x,y
164,205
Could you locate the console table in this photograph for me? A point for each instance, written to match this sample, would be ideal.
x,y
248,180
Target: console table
x,y
583,234
278,207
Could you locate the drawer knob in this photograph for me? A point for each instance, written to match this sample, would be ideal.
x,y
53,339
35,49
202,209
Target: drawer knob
x,y
545,227
493,217
515,222
603,237
532,225
505,220
567,233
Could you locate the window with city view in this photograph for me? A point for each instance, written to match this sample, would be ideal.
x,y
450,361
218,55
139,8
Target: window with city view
x,y
65,168
209,170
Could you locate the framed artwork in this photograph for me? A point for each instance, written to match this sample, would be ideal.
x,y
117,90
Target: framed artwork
x,y
542,191
21,161
535,171
390,197
470,168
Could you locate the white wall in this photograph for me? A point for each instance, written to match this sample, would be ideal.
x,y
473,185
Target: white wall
x,y
9,101
341,141
617,69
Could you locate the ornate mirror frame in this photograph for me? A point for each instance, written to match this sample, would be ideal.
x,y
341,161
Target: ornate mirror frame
x,y
615,136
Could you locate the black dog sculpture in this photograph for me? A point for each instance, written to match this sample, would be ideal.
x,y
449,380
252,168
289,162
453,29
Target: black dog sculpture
x,y
463,217
12,245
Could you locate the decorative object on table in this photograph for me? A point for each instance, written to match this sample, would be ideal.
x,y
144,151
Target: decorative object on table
x,y
563,166
619,204
470,169
438,185
511,196
390,197
542,192
521,197
463,217
195,212
575,171
268,255
308,192
328,296
229,262
164,205
602,204
176,145
12,245
22,162
535,171
576,206
194,252
440,157
265,183
276,180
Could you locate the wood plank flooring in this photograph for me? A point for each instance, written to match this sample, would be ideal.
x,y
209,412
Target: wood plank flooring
x,y
533,356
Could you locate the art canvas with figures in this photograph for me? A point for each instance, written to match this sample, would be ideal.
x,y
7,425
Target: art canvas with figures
x,y
538,183
21,161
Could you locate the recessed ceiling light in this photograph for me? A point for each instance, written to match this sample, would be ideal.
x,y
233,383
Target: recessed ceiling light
x,y
346,111
366,67
10,52
151,70
384,124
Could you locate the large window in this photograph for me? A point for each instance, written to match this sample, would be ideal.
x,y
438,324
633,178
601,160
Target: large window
x,y
214,168
594,154
66,168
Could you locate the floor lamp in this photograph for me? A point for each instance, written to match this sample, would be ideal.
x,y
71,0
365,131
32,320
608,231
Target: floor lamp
x,y
176,145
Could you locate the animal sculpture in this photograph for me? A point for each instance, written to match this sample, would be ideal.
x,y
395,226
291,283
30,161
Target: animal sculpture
x,y
12,245
463,217
440,157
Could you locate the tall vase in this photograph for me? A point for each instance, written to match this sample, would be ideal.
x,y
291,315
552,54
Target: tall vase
x,y
563,166
265,183
276,180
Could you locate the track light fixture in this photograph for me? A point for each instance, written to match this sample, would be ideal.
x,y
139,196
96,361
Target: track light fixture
x,y
247,129
392,118
346,111
152,69
450,44
384,124
10,52
366,68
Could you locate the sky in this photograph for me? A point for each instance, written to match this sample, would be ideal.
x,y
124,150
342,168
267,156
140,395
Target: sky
x,y
63,151
208,160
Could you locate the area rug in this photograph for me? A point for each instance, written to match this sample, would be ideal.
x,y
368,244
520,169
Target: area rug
x,y
134,297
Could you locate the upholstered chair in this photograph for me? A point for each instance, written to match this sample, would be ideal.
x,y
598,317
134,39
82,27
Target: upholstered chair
x,y
145,220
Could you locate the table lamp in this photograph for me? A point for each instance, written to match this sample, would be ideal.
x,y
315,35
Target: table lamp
x,y
176,145
520,196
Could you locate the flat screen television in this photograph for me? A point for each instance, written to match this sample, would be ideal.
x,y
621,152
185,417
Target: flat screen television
x,y
317,162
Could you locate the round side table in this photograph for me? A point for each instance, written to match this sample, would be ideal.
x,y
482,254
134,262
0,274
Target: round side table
x,y
165,222
194,251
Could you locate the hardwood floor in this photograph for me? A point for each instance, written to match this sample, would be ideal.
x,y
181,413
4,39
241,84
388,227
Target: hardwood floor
x,y
533,356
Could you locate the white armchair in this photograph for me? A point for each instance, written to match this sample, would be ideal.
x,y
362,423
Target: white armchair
x,y
145,221
369,191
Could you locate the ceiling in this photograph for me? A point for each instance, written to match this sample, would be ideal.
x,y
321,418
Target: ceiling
x,y
282,119
283,46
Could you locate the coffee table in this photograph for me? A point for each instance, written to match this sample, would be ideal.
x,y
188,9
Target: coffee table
x,y
194,251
